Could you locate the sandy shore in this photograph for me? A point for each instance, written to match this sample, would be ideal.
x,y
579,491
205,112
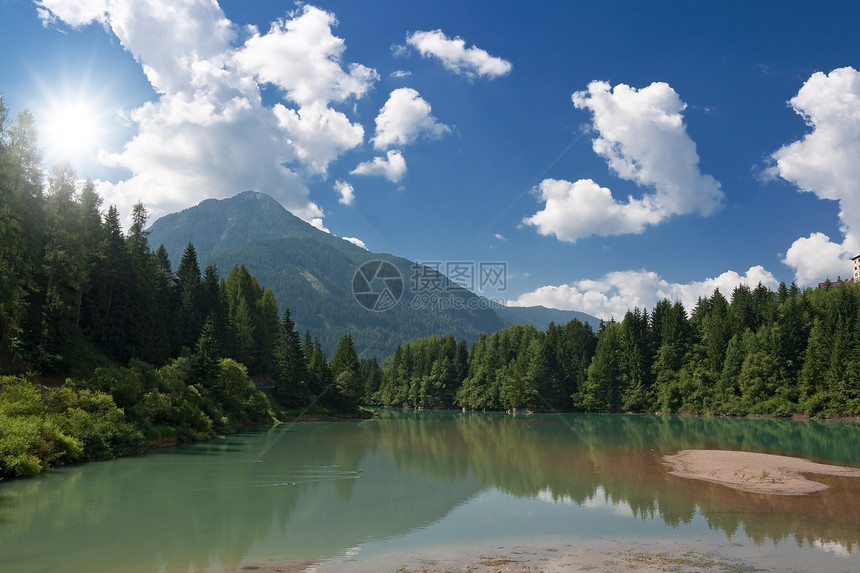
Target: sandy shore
x,y
754,472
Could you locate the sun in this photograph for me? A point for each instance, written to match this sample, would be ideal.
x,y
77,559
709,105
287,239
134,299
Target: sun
x,y
71,129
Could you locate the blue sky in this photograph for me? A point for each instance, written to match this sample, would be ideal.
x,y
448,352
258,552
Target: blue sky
x,y
610,153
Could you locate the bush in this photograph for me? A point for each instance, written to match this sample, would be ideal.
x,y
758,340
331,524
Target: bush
x,y
32,440
95,420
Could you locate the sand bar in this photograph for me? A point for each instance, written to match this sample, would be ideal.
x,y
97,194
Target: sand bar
x,y
754,472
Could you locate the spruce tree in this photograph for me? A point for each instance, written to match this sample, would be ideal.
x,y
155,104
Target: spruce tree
x,y
291,378
188,283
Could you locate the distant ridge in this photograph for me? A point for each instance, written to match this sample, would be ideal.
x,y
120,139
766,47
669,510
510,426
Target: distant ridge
x,y
541,316
313,272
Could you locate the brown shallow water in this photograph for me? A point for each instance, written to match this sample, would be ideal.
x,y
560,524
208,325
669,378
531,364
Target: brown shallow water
x,y
437,491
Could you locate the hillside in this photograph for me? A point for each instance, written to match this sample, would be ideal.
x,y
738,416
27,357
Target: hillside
x,y
316,275
541,316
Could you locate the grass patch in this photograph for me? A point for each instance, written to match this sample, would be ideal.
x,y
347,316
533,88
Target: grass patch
x,y
496,561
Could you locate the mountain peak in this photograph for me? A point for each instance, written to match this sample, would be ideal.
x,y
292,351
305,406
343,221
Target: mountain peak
x,y
218,225
314,274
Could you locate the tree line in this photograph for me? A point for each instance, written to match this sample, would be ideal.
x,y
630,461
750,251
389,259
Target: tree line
x,y
763,352
146,353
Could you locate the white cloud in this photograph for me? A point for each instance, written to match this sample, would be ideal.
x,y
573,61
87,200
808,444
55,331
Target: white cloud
x,y
176,160
167,38
207,133
500,237
404,118
617,292
825,162
398,74
302,57
318,223
469,62
583,208
72,13
319,133
815,258
346,192
392,166
356,242
642,136
399,50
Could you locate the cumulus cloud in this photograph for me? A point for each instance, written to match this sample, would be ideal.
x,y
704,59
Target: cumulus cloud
x,y
356,242
404,118
207,133
317,222
452,52
72,13
642,137
318,133
302,57
392,166
617,292
583,208
815,258
346,192
399,74
177,159
824,162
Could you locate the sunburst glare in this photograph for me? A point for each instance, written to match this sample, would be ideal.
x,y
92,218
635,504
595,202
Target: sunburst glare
x,y
72,127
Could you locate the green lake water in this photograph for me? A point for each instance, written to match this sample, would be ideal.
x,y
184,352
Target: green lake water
x,y
338,494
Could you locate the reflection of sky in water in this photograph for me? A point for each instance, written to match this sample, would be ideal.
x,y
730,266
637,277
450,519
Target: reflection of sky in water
x,y
600,500
499,522
832,547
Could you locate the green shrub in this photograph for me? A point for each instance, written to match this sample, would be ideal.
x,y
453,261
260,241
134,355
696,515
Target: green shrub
x,y
32,440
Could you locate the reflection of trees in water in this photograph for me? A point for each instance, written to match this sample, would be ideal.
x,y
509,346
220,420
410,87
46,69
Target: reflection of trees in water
x,y
578,457
193,508
84,525
427,461
426,443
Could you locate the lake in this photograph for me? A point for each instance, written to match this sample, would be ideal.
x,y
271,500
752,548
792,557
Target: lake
x,y
430,487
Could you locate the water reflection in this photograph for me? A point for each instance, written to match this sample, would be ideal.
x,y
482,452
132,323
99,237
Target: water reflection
x,y
316,490
580,458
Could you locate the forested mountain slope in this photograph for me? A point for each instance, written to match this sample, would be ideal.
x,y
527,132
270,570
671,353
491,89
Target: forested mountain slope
x,y
312,272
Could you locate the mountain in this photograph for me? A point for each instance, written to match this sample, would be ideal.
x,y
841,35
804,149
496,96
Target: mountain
x,y
216,226
541,316
331,286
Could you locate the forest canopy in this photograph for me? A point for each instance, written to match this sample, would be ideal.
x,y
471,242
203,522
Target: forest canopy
x,y
763,352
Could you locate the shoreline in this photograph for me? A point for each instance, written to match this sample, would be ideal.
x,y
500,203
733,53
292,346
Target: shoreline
x,y
644,555
754,472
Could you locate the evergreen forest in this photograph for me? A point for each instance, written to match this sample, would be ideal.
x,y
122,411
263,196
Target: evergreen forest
x,y
106,351
762,352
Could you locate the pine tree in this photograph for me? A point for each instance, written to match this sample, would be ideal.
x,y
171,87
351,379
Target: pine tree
x,y
213,304
265,331
205,364
344,369
602,388
188,283
291,378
